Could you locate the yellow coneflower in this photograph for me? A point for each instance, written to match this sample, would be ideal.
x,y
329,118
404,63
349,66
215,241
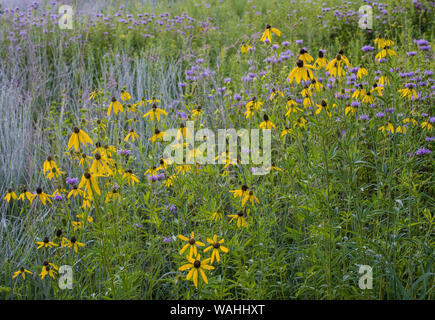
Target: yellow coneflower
x,y
348,109
157,135
426,125
320,61
305,56
78,136
48,165
183,169
368,98
47,270
170,181
42,196
275,93
86,202
267,34
26,194
152,171
100,166
383,42
95,93
245,48
250,111
240,218
197,112
113,195
125,95
291,107
78,224
266,124
46,243
196,266
116,106
274,167
388,127
216,246
155,112
90,183
306,94
131,135
164,162
410,120
82,217
315,84
21,272
130,177
182,131
242,192
251,197
73,243
383,81
383,53
54,173
299,122
191,243
254,103
359,93
10,195
361,72
408,92
323,105
344,58
286,131
300,72
153,100
109,150
58,193
401,129
74,192
335,66
377,89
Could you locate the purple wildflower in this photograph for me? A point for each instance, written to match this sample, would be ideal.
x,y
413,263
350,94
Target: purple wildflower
x,y
423,151
367,48
72,181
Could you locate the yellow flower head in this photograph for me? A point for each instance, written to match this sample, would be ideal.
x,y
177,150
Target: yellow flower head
x,y
73,243
21,272
78,136
10,195
42,196
196,266
266,124
191,243
240,218
155,112
215,247
116,106
46,243
158,135
48,268
267,34
301,72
